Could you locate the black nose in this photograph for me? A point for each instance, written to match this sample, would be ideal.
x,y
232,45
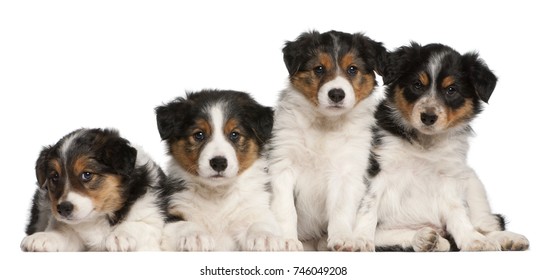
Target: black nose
x,y
336,94
428,119
218,163
65,208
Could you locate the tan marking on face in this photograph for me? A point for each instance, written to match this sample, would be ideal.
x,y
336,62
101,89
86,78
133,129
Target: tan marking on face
x,y
423,78
107,198
363,84
309,83
186,151
230,126
461,114
247,153
404,107
80,165
448,81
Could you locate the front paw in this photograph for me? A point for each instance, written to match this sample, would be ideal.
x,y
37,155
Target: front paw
x,y
290,244
347,244
120,242
43,242
478,242
195,242
510,241
429,240
263,242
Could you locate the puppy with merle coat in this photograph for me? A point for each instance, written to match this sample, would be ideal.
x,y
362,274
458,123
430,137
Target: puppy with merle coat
x,y
221,198
422,190
96,192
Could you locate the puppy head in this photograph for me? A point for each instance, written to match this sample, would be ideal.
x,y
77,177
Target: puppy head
x,y
334,70
435,89
84,174
215,135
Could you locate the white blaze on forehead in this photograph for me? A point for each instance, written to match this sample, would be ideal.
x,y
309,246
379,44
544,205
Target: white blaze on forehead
x,y
434,67
218,145
68,143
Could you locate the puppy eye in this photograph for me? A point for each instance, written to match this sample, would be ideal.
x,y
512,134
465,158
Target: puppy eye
x,y
234,136
451,91
199,136
418,85
352,70
319,70
54,177
86,176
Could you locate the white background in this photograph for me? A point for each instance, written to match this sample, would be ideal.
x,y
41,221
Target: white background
x,y
71,64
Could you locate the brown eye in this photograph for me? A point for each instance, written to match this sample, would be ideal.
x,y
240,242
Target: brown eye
x,y
418,85
451,91
199,136
234,136
54,177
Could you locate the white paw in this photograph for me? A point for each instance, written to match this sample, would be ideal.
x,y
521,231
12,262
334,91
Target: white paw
x,y
263,242
43,242
364,245
478,242
429,240
195,242
510,241
342,244
120,241
290,244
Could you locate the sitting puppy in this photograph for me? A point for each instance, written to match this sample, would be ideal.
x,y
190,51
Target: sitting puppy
x,y
215,140
95,192
422,190
321,139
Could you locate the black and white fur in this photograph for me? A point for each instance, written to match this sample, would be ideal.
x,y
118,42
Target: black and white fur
x,y
422,190
321,139
215,141
95,192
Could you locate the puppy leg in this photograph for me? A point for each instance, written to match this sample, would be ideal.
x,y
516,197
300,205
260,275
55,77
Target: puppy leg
x,y
509,241
261,237
58,239
479,209
186,236
282,204
423,240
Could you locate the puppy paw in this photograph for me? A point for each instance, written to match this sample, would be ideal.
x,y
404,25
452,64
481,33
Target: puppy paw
x,y
290,244
478,242
510,241
342,244
196,242
120,242
43,242
263,242
429,240
364,245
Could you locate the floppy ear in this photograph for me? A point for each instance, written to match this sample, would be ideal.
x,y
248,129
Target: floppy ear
x,y
41,166
374,51
482,79
396,62
169,115
261,122
294,53
118,154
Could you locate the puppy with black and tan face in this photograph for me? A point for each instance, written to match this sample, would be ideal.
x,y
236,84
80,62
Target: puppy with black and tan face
x,y
96,192
422,191
215,141
321,138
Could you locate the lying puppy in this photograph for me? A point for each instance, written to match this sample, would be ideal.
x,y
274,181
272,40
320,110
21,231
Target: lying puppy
x,y
95,192
423,192
215,140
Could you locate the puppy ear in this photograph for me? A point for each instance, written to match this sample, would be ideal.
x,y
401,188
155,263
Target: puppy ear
x,y
397,62
169,115
374,51
41,166
294,53
261,122
482,79
118,154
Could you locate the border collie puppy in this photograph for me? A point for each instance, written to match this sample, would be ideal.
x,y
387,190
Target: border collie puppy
x,y
215,141
321,138
423,192
95,192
